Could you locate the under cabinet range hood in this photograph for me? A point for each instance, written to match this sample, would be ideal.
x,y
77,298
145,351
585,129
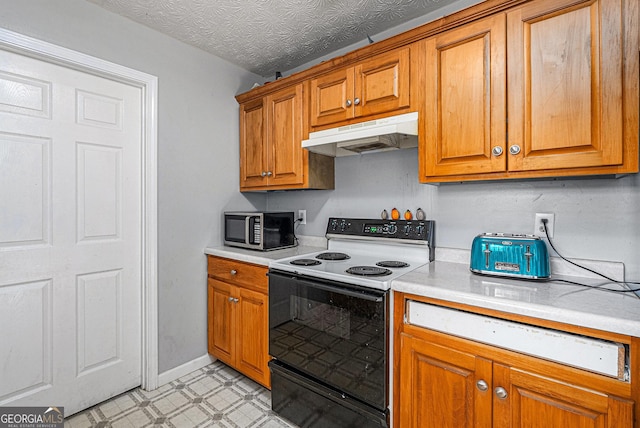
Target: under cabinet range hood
x,y
389,133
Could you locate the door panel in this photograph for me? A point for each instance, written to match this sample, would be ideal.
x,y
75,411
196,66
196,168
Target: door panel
x,y
253,145
465,100
29,305
223,322
70,235
253,316
329,95
285,139
382,83
99,324
438,387
563,405
564,85
25,186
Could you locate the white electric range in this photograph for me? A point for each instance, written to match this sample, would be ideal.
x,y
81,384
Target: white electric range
x,y
366,252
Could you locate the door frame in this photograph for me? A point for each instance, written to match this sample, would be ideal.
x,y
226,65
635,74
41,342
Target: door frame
x,y
41,50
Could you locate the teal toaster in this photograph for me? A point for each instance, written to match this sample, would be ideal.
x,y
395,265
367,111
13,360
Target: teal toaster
x,y
507,254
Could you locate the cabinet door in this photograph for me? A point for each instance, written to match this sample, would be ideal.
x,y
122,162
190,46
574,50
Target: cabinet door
x,y
382,83
438,387
332,97
539,402
285,131
254,155
565,84
465,100
252,330
221,321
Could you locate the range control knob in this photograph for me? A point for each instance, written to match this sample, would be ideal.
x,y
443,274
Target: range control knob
x,y
392,228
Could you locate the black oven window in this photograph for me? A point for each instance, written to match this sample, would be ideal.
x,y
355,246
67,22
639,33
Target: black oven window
x,y
337,338
323,317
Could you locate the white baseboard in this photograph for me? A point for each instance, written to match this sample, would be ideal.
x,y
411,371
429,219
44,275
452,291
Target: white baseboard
x,y
184,369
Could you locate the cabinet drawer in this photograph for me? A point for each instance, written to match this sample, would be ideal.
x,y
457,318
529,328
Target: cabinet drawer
x,y
239,273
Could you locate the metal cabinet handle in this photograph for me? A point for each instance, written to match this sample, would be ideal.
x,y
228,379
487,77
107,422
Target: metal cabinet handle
x,y
348,103
515,149
501,393
236,300
231,299
269,173
482,385
264,173
356,101
496,151
233,272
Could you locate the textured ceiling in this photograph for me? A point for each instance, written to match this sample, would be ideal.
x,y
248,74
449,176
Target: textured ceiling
x,y
265,36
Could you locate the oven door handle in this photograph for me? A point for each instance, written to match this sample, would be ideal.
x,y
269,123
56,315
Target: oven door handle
x,y
344,291
334,289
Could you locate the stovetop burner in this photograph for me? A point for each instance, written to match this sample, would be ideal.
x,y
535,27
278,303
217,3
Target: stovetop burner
x,y
305,262
368,271
392,264
332,255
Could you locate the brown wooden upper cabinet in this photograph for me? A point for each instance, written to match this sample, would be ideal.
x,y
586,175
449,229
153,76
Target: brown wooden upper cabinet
x,y
549,88
271,154
376,85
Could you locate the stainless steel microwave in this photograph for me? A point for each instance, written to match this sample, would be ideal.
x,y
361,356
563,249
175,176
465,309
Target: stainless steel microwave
x,y
261,231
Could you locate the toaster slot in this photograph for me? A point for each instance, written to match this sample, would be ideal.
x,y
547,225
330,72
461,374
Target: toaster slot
x,y
527,257
487,254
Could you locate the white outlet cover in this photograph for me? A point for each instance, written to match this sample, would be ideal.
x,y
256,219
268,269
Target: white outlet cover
x,y
538,227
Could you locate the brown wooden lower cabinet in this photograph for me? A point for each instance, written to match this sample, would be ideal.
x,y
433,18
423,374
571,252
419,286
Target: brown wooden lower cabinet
x,y
238,317
443,381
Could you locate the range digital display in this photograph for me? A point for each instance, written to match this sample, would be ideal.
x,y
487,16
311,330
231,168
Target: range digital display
x,y
376,229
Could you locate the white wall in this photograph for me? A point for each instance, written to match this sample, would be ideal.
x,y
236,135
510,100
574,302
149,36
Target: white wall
x,y
594,218
197,149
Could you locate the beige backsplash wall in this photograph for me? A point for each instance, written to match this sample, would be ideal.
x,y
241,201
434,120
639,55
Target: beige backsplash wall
x,y
596,218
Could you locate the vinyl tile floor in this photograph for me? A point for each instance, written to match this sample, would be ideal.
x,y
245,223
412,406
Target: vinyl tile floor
x,y
214,396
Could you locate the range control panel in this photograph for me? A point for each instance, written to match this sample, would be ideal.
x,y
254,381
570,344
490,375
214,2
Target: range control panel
x,y
416,230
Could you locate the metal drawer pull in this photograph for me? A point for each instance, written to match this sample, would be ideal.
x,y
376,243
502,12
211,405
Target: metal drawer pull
x,y
501,393
233,272
348,103
356,101
496,151
515,149
482,385
264,173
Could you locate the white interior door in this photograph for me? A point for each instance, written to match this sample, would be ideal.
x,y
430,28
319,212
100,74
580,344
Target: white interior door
x,y
70,235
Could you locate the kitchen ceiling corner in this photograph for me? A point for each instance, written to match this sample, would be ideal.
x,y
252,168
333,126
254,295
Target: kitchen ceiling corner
x,y
265,36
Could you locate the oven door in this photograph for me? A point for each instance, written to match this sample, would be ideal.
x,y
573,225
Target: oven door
x,y
335,333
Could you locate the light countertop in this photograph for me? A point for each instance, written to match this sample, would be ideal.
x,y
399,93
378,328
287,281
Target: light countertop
x,y
306,245
555,301
452,281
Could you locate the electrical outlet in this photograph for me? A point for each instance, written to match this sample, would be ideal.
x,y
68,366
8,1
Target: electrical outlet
x,y
539,228
302,216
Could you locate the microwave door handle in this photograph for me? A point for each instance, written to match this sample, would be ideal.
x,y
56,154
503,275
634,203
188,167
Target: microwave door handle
x,y
247,221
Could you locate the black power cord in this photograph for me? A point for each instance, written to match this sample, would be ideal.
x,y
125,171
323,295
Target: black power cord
x,y
611,280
